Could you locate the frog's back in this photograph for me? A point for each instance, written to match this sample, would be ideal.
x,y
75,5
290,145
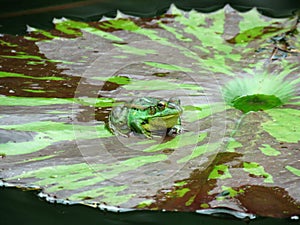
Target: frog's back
x,y
118,119
143,103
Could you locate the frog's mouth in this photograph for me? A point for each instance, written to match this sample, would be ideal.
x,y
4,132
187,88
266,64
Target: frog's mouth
x,y
162,122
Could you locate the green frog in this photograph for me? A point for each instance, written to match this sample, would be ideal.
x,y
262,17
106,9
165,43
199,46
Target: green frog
x,y
146,115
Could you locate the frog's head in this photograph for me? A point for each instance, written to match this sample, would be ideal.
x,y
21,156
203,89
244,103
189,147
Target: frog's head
x,y
162,114
146,114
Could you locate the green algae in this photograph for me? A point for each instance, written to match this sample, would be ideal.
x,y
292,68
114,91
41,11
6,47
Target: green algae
x,y
18,75
190,201
261,32
269,151
232,192
160,85
69,177
70,27
41,158
135,51
258,170
32,101
200,150
220,172
254,27
8,44
179,141
103,34
40,101
177,33
39,59
45,33
168,66
180,183
280,126
145,203
293,170
46,133
115,79
228,192
35,91
109,195
232,145
128,25
197,112
179,193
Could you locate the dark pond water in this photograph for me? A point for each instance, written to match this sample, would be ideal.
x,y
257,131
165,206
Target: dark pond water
x,y
15,17
24,207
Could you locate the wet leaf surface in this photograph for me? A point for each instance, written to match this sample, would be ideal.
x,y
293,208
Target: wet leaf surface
x,y
58,87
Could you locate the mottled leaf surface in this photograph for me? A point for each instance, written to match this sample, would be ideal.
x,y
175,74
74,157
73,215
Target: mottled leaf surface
x,y
58,87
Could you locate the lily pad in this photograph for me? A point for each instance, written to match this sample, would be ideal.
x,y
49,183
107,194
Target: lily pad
x,y
238,152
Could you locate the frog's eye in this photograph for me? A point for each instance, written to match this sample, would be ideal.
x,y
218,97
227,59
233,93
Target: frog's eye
x,y
152,110
161,105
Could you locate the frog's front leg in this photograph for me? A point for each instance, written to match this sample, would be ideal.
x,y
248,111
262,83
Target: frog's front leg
x,y
176,129
136,126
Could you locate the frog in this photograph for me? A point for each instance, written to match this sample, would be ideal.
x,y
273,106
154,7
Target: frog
x,y
146,115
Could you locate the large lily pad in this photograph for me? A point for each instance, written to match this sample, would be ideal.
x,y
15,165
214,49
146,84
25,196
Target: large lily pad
x,y
58,87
